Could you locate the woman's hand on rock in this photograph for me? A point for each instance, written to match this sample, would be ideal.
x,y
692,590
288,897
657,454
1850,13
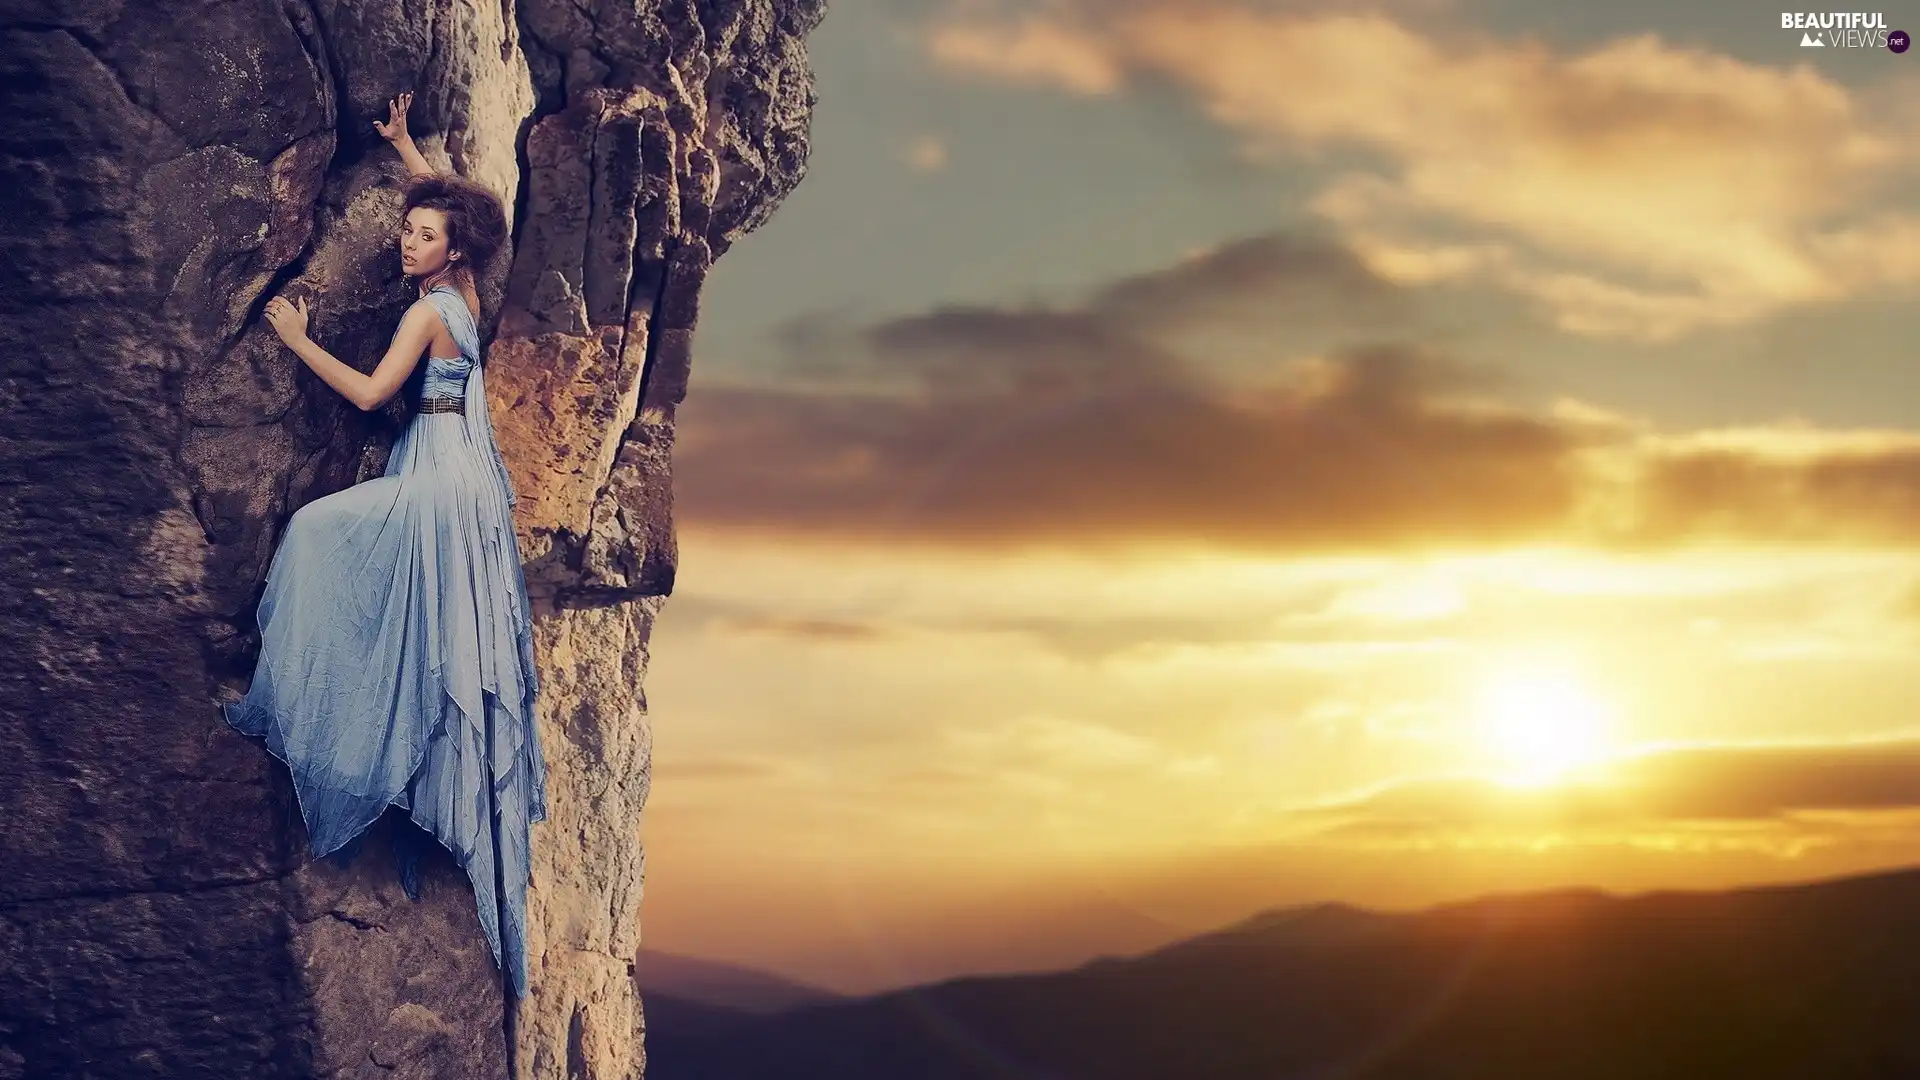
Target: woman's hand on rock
x,y
395,129
289,319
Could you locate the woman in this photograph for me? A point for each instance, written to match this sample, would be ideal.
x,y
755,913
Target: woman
x,y
396,649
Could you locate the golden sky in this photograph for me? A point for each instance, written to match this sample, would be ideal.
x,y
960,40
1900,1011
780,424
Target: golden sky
x,y
1485,457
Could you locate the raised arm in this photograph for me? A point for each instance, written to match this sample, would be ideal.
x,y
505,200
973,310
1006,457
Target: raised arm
x,y
395,132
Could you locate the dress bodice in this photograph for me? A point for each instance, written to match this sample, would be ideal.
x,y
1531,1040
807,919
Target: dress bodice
x,y
447,375
465,377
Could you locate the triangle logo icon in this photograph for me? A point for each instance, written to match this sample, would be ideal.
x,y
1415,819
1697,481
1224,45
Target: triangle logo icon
x,y
1807,39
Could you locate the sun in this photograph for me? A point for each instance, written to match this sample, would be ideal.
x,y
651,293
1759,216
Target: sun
x,y
1542,721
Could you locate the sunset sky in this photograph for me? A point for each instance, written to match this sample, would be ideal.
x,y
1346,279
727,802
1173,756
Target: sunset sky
x,y
1172,459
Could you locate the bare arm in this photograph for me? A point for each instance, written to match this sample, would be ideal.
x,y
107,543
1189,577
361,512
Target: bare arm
x,y
395,132
416,161
369,392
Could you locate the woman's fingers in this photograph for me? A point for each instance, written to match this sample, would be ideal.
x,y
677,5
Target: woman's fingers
x,y
396,116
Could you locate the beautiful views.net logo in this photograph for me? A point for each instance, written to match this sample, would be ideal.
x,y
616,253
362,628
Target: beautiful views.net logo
x,y
1845,30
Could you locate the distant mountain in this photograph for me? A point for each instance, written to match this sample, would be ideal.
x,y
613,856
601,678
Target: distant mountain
x,y
1316,924
1817,981
675,1018
693,981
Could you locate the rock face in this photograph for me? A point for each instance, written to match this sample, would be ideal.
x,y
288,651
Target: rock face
x,y
165,168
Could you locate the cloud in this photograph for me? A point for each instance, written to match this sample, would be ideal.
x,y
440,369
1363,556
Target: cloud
x,y
1088,426
1034,52
1637,190
928,153
709,613
1777,486
725,769
1053,745
1067,435
1278,278
1709,788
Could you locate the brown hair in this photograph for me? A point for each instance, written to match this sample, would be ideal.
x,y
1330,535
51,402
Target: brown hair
x,y
476,221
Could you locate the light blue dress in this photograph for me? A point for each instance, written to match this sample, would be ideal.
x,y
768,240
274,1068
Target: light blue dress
x,y
396,652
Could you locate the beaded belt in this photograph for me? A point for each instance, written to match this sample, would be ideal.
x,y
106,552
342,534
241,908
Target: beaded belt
x,y
443,404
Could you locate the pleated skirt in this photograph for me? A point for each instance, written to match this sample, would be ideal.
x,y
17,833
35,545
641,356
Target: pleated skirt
x,y
396,668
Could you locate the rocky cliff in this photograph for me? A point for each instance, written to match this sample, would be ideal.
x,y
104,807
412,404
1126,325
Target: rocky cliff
x,y
166,168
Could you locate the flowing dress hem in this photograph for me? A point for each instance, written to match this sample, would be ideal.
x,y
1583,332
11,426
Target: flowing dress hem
x,y
266,732
462,857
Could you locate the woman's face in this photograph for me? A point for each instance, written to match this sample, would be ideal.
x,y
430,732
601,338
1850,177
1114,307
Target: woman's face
x,y
423,241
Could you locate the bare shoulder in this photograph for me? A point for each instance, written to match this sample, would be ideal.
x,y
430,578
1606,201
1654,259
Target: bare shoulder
x,y
471,299
423,310
467,296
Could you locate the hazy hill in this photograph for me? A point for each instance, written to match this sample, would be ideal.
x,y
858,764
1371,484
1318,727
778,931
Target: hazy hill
x,y
727,986
1809,982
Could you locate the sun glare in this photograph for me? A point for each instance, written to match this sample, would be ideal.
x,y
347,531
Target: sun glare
x,y
1541,721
